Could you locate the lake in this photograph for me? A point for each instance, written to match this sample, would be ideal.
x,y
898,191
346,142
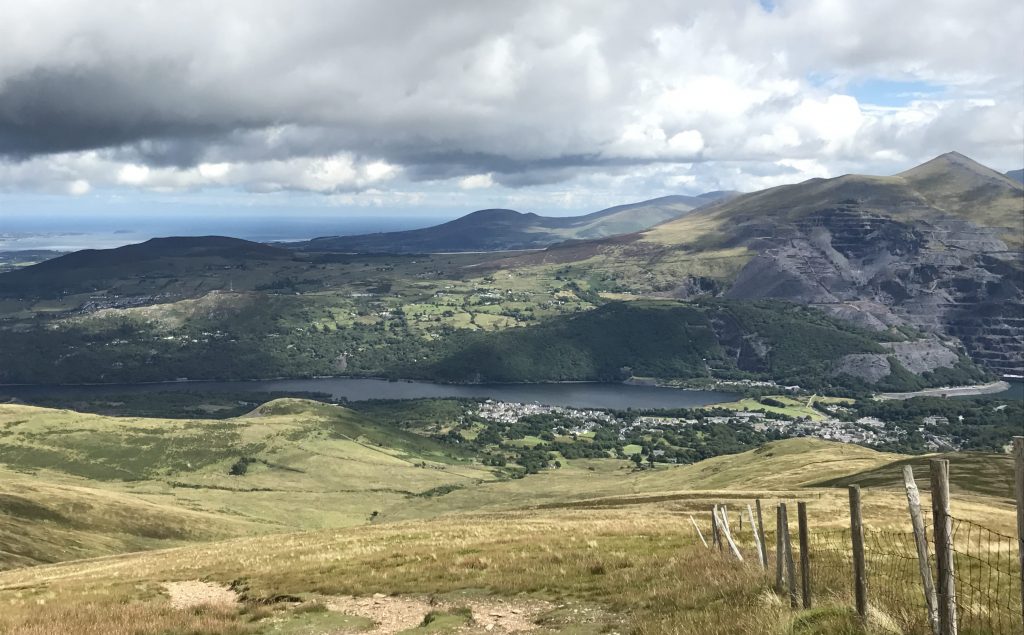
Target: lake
x,y
578,395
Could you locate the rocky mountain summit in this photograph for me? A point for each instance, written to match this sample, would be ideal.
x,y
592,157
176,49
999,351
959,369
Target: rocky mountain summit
x,y
937,248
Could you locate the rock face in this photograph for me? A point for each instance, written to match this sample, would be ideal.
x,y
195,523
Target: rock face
x,y
923,356
918,357
940,275
870,367
888,254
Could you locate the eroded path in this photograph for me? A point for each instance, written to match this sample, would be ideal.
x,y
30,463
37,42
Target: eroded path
x,y
397,614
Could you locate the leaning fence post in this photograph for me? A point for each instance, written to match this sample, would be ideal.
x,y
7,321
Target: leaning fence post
x,y
790,567
760,530
758,544
860,583
728,536
716,534
699,534
921,539
805,554
1018,461
946,591
778,549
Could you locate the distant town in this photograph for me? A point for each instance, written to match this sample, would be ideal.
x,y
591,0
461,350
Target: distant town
x,y
866,431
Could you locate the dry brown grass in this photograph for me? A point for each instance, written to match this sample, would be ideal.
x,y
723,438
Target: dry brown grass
x,y
640,566
614,545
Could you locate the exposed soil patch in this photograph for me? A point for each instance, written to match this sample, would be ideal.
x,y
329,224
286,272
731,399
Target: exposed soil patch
x,y
396,614
193,593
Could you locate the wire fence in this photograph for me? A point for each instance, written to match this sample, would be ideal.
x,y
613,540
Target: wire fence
x,y
986,572
986,569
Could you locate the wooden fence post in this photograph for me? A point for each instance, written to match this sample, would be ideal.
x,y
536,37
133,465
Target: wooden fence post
x,y
1018,461
805,554
921,540
699,534
728,536
860,583
779,556
946,591
760,530
758,540
790,566
716,534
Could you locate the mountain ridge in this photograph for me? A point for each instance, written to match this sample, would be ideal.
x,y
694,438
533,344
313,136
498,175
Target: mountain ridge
x,y
506,229
935,248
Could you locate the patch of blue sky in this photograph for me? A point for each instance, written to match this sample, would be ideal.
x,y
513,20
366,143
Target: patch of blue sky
x,y
893,93
876,91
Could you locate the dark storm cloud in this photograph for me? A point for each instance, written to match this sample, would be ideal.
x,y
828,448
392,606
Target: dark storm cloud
x,y
528,92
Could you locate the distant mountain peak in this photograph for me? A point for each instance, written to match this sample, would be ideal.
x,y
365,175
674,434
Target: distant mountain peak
x,y
952,161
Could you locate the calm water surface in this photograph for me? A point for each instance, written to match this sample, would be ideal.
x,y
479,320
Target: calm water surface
x,y
579,395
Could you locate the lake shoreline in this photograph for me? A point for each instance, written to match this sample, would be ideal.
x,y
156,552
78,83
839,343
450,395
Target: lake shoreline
x,y
607,396
185,382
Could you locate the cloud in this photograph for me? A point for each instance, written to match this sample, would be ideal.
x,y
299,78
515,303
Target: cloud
x,y
335,97
68,171
476,181
79,187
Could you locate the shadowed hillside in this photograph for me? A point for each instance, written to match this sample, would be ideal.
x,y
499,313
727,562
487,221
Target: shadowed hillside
x,y
779,341
159,258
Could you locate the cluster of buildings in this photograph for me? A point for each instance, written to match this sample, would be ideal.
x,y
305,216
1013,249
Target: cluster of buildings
x,y
100,302
864,431
868,431
512,412
738,384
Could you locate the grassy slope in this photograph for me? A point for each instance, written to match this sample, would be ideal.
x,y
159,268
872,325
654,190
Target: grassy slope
x,y
595,536
790,468
990,474
612,564
80,485
45,518
83,485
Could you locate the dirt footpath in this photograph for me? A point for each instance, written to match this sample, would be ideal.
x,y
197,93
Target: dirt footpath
x,y
396,614
193,593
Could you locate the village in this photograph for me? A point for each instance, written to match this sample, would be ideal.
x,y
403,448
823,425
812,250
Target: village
x,y
867,431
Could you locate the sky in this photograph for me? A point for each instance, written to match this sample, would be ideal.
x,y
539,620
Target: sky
x,y
260,108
